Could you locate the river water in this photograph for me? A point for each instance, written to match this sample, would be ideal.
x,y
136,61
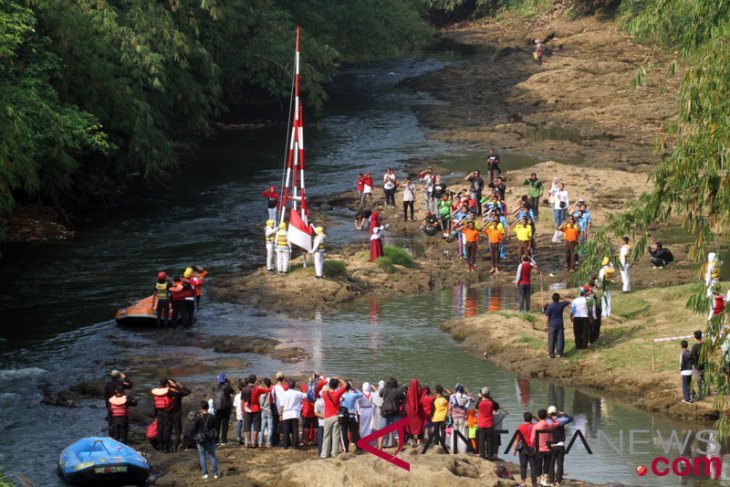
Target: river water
x,y
57,310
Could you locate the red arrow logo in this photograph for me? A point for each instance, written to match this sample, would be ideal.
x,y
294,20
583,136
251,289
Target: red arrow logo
x,y
400,426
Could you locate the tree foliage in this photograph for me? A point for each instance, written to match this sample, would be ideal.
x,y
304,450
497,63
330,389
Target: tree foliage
x,y
93,92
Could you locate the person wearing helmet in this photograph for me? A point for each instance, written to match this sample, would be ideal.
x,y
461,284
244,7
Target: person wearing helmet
x,y
199,274
270,237
162,294
272,201
223,405
189,285
283,249
318,251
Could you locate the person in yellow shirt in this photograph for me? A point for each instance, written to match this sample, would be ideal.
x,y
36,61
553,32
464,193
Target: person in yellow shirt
x,y
440,412
523,230
495,234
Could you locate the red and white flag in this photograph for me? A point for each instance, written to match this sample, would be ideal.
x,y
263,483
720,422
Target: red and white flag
x,y
299,233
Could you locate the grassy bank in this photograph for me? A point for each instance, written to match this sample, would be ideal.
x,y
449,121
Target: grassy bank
x,y
625,360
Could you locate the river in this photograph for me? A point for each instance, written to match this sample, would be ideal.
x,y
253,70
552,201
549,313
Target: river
x,y
57,324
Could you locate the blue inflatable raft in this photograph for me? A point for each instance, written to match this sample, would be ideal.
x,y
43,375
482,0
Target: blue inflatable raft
x,y
102,461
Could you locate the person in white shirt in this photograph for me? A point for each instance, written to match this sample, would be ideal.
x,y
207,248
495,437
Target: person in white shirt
x,y
428,181
318,251
561,202
604,282
409,196
581,311
366,410
319,412
238,406
623,257
276,392
390,183
270,237
290,411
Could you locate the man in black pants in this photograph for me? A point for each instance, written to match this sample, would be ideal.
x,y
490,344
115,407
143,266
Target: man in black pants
x,y
223,404
560,419
177,392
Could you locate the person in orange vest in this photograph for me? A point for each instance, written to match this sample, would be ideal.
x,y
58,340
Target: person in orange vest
x,y
471,235
179,308
189,284
570,230
199,275
163,411
119,405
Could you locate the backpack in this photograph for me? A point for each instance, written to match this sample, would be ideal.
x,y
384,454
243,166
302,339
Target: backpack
x,y
311,390
220,398
207,433
669,256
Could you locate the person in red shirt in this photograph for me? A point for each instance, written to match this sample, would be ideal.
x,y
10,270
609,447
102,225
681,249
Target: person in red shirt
x,y
309,418
526,448
427,404
252,416
332,433
542,435
485,423
272,201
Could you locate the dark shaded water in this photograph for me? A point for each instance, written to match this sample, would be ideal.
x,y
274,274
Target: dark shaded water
x,y
57,326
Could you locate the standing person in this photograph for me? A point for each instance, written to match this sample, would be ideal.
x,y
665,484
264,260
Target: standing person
x,y
605,276
444,209
390,183
318,251
163,409
555,325
267,420
440,413
409,197
499,187
332,437
119,405
277,392
439,188
535,191
498,416
476,185
283,249
290,411
459,404
570,230
698,366
623,258
252,417
524,283
428,184
378,421
414,410
538,53
199,275
392,409
523,230
204,433
495,234
561,200
557,449
238,406
597,293
660,257
367,188
525,446
685,367
376,242
712,272
117,379
179,307
223,405
493,164
542,432
272,201
177,392
471,237
319,412
360,187
581,311
485,423
366,410
162,293
584,222
270,238
189,283
350,427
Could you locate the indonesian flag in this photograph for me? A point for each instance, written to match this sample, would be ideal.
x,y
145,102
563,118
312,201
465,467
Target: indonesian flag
x,y
299,233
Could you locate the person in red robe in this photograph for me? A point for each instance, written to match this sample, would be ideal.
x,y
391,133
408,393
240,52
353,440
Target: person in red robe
x,y
414,410
376,241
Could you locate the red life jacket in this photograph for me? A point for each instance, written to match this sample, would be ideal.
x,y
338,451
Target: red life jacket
x,y
176,292
189,290
162,400
197,283
118,406
525,269
719,307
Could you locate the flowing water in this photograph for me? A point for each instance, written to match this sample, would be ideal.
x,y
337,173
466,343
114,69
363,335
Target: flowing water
x,y
59,301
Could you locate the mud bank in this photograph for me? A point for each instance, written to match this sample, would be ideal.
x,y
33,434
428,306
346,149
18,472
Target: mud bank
x,y
621,362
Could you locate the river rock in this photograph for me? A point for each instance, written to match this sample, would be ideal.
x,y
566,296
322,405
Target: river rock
x,y
325,207
90,388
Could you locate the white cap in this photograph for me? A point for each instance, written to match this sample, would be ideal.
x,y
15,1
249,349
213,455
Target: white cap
x,y
552,410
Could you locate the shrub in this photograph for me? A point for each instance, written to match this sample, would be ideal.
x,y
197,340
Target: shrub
x,y
335,268
398,256
386,263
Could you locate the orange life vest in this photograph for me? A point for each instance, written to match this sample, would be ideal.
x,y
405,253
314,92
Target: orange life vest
x,y
118,406
162,400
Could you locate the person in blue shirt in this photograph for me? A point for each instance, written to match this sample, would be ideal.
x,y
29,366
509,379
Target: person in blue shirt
x,y
503,221
584,222
459,218
555,325
349,425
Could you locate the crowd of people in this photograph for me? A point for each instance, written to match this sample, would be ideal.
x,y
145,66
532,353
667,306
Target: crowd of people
x,y
177,300
333,414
